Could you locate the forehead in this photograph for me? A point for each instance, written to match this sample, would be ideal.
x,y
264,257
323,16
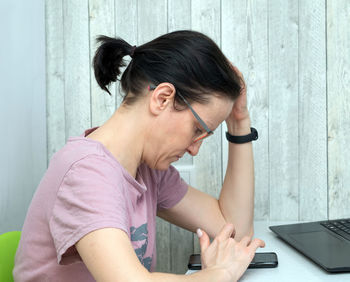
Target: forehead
x,y
215,111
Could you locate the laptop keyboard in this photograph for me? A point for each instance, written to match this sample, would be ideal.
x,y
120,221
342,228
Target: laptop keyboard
x,y
340,227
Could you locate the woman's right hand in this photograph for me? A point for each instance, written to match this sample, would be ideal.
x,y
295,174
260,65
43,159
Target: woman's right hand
x,y
226,253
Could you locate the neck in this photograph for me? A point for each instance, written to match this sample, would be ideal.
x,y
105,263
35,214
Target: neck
x,y
123,135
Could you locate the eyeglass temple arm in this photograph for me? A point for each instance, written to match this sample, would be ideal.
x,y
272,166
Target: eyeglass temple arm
x,y
152,87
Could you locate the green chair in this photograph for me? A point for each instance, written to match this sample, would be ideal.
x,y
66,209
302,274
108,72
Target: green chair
x,y
8,246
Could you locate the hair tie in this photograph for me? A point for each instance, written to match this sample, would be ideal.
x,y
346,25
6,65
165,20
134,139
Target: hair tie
x,y
132,51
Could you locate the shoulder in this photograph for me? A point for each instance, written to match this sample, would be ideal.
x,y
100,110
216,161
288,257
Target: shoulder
x,y
82,155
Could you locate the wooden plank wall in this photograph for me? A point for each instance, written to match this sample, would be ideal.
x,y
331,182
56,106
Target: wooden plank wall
x,y
338,103
295,58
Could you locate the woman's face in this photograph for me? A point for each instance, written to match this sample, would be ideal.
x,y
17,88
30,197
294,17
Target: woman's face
x,y
175,131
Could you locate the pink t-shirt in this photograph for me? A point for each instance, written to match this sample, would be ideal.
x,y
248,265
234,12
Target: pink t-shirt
x,y
85,189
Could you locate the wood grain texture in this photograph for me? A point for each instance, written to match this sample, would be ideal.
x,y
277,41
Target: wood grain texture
x,y
245,42
164,256
55,62
258,99
181,249
206,19
152,19
179,15
126,27
101,22
312,111
77,67
234,44
283,110
338,80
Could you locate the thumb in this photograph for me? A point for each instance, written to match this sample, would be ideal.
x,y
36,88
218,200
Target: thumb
x,y
204,240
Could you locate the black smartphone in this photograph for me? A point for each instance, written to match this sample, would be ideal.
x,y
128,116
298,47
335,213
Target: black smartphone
x,y
264,260
260,260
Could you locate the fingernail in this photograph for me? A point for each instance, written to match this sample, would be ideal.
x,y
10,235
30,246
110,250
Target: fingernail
x,y
199,233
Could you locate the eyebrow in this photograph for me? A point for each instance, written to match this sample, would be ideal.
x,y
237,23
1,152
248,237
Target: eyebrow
x,y
209,124
211,127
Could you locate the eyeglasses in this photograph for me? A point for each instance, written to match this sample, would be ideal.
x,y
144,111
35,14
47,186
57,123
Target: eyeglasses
x,y
202,135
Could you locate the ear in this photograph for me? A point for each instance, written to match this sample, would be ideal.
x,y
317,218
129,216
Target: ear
x,y
162,97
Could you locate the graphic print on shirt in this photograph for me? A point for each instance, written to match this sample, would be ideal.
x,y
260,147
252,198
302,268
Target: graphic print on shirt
x,y
140,234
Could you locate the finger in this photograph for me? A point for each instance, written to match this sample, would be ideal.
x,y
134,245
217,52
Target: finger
x,y
256,243
233,233
238,72
240,75
204,240
225,232
245,241
236,69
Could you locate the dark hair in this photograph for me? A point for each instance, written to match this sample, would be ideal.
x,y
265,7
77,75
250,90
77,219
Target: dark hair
x,y
189,60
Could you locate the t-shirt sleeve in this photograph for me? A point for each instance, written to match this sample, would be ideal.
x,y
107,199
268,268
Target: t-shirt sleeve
x,y
172,188
91,197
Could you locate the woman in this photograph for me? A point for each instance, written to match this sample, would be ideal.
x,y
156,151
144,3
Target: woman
x,y
93,214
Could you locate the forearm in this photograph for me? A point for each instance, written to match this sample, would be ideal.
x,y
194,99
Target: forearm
x,y
109,256
206,275
237,194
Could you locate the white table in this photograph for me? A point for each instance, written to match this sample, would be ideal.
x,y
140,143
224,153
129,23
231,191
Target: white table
x,y
292,266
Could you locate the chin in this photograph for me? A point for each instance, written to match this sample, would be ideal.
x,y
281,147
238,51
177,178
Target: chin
x,y
163,165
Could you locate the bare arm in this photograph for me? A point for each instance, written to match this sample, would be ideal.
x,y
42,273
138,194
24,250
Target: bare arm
x,y
109,256
237,194
235,205
196,210
236,201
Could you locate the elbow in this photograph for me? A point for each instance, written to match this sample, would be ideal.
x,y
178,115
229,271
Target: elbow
x,y
249,232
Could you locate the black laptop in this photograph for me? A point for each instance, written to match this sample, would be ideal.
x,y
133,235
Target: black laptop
x,y
327,243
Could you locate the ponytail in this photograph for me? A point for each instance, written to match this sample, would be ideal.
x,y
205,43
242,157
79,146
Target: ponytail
x,y
109,59
189,60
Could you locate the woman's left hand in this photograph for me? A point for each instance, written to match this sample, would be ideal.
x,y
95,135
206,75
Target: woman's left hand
x,y
239,116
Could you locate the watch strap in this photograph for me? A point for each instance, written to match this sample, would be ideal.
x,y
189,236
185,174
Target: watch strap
x,y
252,136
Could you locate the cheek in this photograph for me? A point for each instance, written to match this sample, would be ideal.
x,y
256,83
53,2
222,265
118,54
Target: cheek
x,y
179,141
183,132
186,136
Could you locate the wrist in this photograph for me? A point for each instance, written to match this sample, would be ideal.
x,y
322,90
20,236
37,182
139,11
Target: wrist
x,y
239,128
220,273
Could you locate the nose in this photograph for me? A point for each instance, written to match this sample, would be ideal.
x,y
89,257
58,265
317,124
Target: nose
x,y
194,148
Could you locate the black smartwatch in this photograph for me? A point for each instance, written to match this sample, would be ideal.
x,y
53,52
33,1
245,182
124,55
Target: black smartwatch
x,y
252,136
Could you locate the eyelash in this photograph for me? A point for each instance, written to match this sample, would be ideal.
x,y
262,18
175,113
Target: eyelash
x,y
198,131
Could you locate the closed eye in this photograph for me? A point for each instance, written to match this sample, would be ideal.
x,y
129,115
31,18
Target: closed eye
x,y
198,131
